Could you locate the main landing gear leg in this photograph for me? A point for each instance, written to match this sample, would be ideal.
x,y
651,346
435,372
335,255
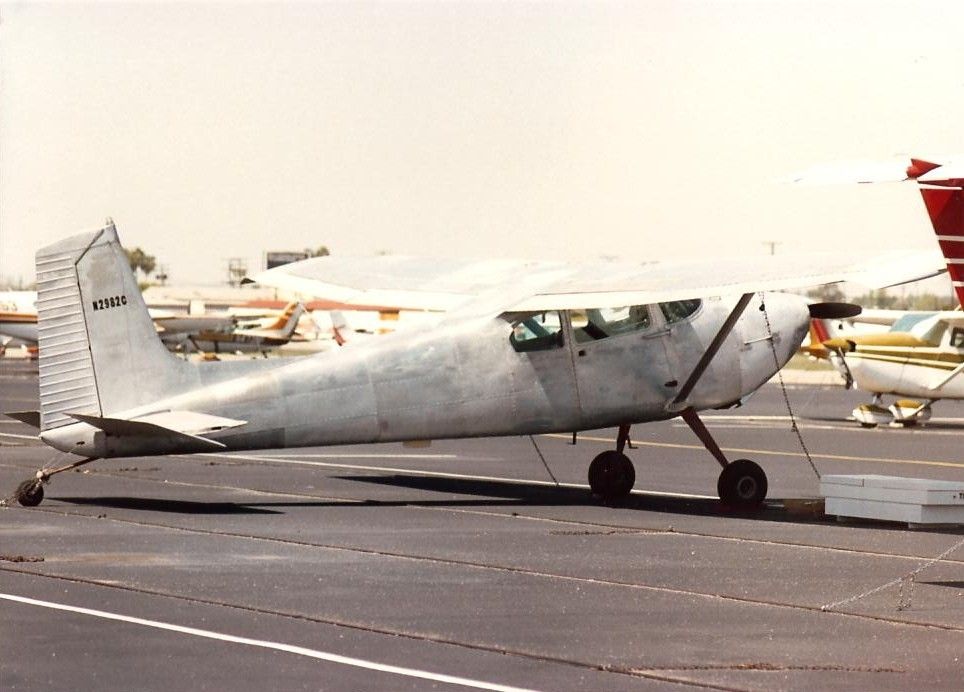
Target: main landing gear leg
x,y
611,474
742,483
30,493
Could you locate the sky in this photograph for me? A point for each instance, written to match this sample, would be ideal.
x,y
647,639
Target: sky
x,y
637,130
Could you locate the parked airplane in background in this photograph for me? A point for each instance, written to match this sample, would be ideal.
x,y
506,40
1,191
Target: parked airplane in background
x,y
18,316
922,354
204,333
229,333
526,348
19,325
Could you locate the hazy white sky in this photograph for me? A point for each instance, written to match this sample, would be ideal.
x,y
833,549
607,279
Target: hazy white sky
x,y
639,129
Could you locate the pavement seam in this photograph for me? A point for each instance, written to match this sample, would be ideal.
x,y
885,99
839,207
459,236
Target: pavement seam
x,y
529,572
616,528
620,670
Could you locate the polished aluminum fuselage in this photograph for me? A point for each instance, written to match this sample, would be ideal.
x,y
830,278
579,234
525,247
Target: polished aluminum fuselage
x,y
465,379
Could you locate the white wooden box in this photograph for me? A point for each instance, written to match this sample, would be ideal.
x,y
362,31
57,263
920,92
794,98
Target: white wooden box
x,y
890,498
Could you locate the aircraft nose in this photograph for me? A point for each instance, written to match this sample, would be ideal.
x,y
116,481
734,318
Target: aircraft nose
x,y
789,318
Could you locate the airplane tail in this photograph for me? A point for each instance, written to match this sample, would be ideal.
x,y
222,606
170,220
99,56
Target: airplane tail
x,y
99,350
820,330
288,320
282,328
339,327
942,188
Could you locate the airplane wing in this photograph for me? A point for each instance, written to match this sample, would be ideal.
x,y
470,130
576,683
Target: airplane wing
x,y
496,286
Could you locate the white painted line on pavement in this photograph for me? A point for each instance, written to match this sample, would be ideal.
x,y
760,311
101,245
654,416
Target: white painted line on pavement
x,y
276,646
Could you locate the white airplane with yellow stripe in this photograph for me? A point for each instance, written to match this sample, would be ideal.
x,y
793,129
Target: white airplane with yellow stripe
x,y
921,357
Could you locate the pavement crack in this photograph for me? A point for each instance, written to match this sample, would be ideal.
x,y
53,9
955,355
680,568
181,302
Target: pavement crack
x,y
611,529
362,627
21,558
509,569
775,667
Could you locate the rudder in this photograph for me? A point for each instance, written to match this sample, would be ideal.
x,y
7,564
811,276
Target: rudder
x,y
99,350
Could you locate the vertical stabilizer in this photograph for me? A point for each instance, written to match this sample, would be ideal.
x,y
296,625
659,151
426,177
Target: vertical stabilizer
x,y
941,187
99,350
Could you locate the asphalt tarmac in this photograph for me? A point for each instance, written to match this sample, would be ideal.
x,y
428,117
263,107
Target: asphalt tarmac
x,y
464,565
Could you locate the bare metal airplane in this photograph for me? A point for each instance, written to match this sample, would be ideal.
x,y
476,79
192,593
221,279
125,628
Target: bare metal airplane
x,y
526,348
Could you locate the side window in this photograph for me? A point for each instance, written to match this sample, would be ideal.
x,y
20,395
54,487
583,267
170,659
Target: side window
x,y
679,310
539,332
957,337
598,323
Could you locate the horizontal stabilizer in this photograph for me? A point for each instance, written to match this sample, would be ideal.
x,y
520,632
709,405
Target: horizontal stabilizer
x,y
146,427
190,422
31,418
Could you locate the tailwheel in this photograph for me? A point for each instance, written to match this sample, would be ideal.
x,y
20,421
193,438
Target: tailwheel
x,y
611,475
742,484
30,493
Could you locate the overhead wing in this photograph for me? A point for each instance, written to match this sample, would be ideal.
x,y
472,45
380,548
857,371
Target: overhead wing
x,y
495,286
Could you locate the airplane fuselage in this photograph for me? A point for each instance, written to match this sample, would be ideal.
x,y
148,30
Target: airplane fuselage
x,y
924,362
469,379
917,374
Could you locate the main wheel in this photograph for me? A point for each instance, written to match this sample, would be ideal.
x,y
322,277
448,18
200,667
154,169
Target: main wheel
x,y
611,475
30,493
742,484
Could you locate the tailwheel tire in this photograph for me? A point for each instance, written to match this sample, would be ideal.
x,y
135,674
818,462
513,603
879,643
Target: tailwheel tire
x,y
611,475
30,493
742,484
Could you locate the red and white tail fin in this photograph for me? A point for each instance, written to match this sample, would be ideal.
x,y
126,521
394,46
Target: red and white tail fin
x,y
942,187
820,331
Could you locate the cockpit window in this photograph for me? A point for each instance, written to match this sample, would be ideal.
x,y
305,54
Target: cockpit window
x,y
679,310
539,332
907,322
598,323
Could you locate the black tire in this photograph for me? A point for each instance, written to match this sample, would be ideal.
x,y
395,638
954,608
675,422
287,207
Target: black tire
x,y
742,484
30,493
611,475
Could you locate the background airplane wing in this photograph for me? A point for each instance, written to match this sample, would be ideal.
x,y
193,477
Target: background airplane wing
x,y
495,286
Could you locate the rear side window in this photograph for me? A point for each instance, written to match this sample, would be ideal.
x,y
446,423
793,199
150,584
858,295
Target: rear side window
x,y
593,324
539,332
679,310
957,337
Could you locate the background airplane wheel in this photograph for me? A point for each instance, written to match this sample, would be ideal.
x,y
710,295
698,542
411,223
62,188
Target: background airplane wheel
x,y
742,483
30,493
611,475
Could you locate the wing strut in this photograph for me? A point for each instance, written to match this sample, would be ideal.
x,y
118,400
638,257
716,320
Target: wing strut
x,y
742,484
692,419
676,404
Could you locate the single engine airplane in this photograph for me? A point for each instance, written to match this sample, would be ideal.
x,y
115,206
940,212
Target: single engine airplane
x,y
921,355
526,347
229,333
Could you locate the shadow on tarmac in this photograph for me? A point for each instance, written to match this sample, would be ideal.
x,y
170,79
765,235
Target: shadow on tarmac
x,y
488,493
480,493
171,506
